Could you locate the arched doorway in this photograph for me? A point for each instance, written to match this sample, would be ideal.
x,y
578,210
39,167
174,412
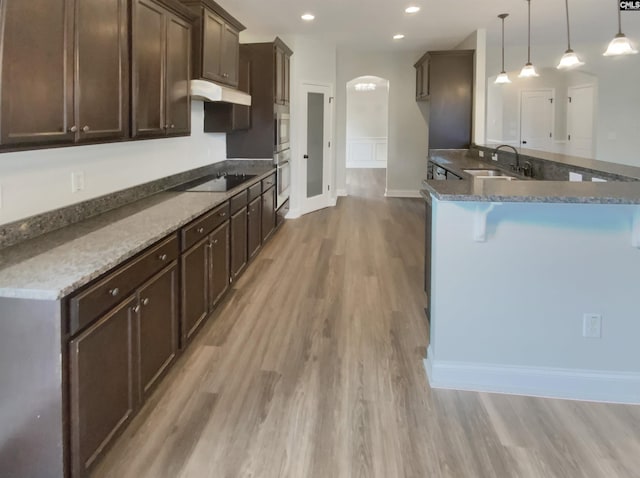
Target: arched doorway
x,y
367,134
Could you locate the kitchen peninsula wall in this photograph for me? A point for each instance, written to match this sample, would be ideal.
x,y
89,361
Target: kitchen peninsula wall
x,y
32,182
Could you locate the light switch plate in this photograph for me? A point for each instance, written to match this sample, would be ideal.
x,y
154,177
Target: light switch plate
x,y
77,181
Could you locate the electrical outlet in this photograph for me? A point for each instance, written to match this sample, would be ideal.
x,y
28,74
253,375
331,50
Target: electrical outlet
x,y
77,181
481,153
592,326
494,156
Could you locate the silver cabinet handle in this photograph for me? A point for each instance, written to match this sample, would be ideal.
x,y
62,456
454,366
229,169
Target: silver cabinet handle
x,y
162,257
223,214
172,126
114,292
73,129
215,241
85,129
145,301
201,230
136,309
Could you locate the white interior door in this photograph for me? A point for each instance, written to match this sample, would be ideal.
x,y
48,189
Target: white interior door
x,y
315,141
580,110
536,119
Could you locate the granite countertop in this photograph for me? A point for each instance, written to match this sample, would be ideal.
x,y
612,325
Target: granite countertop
x,y
496,190
54,265
593,165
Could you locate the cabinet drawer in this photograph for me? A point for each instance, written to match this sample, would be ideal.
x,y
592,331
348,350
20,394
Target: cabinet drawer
x,y
268,182
202,226
239,201
255,191
91,303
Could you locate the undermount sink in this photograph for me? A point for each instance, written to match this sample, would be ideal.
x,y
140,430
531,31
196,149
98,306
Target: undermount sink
x,y
489,174
484,172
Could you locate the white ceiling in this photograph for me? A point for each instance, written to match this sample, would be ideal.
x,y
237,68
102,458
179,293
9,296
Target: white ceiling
x,y
441,24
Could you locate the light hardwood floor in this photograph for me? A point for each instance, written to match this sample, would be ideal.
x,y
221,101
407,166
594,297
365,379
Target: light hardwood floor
x,y
312,368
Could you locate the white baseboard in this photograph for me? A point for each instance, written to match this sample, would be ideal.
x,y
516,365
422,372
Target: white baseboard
x,y
588,385
402,193
367,165
341,192
333,201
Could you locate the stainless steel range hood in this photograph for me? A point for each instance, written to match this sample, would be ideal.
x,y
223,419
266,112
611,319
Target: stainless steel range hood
x,y
213,92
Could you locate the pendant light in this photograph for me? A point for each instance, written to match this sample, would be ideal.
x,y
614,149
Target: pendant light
x,y
620,45
569,59
528,70
503,77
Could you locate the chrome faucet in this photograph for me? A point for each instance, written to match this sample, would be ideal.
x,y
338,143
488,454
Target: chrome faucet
x,y
516,167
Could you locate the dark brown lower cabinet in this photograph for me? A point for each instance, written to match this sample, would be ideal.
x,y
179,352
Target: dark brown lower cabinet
x,y
254,226
158,326
238,242
218,264
195,284
268,212
103,383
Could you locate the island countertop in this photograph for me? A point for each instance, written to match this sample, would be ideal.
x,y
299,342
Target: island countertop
x,y
496,190
54,265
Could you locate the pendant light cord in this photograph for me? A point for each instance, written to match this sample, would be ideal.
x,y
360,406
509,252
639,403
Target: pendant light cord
x,y
529,40
502,43
568,34
619,19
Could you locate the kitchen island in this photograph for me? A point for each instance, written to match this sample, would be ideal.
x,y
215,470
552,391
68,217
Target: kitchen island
x,y
533,285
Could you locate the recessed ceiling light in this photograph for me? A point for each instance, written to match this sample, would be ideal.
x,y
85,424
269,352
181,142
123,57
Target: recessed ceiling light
x,y
308,17
399,36
412,9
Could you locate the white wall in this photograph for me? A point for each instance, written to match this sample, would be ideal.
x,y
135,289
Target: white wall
x,y
618,96
408,132
478,41
507,314
33,182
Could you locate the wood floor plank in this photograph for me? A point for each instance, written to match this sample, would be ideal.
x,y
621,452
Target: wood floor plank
x,y
312,367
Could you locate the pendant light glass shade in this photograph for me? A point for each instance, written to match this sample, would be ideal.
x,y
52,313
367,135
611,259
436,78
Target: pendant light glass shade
x,y
569,59
620,45
528,70
503,77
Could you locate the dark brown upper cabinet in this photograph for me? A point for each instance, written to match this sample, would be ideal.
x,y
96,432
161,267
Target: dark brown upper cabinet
x,y
422,78
282,61
161,66
269,88
215,43
65,72
449,89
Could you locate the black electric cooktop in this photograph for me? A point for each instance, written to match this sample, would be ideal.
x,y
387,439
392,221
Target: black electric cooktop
x,y
216,183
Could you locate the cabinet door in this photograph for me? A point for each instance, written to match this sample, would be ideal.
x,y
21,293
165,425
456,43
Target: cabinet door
x,y
149,36
195,284
213,29
219,270
277,80
286,86
158,326
102,92
238,242
103,388
178,75
37,72
268,212
254,226
230,56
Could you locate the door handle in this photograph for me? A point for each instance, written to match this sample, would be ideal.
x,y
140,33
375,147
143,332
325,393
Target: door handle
x,y
306,156
524,142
